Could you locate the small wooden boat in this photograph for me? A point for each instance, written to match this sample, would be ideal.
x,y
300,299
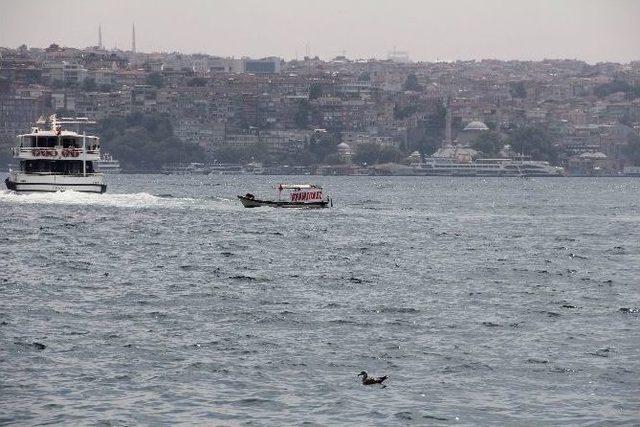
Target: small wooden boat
x,y
291,196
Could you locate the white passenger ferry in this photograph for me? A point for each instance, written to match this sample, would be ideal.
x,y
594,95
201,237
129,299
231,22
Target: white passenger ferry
x,y
454,161
57,159
489,167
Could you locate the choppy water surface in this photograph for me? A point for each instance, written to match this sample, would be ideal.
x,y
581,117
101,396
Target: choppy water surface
x,y
486,301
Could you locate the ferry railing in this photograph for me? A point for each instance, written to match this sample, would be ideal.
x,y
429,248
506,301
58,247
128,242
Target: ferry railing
x,y
59,173
44,152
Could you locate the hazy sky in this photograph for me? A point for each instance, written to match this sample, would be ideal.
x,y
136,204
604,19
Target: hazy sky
x,y
592,30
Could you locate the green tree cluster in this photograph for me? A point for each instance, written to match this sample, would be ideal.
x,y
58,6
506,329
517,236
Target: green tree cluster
x,y
401,113
301,117
606,89
371,153
155,79
411,83
489,143
536,142
254,153
632,149
315,91
365,76
320,149
89,85
517,90
145,142
431,132
197,82
322,145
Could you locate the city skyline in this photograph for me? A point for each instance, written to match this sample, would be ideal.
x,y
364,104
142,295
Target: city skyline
x,y
593,31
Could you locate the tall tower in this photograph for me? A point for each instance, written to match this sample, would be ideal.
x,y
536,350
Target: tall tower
x,y
133,37
448,120
99,36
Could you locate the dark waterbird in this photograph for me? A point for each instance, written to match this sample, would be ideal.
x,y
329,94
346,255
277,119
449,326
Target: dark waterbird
x,y
367,380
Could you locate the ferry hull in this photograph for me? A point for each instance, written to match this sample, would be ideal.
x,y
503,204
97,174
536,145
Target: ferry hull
x,y
52,187
256,203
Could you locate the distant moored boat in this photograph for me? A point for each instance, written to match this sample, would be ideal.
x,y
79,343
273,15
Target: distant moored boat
x,y
107,164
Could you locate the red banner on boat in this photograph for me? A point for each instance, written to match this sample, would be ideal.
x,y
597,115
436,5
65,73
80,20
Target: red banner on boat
x,y
306,196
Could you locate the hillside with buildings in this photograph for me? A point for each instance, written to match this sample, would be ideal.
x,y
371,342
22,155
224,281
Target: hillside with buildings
x,y
342,111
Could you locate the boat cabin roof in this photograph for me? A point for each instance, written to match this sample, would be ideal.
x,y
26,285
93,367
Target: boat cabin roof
x,y
57,128
297,186
54,133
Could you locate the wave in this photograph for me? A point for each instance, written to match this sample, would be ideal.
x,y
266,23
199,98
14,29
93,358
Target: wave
x,y
123,200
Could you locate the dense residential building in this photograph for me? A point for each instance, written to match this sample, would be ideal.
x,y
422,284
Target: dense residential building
x,y
229,102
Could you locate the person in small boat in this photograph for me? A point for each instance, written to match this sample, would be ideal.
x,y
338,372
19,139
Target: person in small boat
x,y
250,196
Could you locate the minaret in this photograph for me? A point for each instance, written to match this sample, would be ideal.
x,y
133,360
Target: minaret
x,y
99,36
448,121
133,37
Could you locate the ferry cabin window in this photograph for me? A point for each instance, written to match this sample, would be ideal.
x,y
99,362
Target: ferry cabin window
x,y
51,141
70,142
64,167
47,141
29,141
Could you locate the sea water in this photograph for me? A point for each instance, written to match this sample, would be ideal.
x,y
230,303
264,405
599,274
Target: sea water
x,y
485,301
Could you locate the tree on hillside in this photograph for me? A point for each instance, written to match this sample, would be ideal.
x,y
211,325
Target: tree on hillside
x,y
431,132
632,149
617,85
322,145
364,77
517,90
155,79
89,85
533,141
489,143
197,82
145,142
401,113
5,84
300,158
334,159
367,153
389,154
301,117
315,91
228,154
411,83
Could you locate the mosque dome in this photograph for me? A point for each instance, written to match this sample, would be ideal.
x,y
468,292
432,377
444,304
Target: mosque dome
x,y
343,146
476,126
